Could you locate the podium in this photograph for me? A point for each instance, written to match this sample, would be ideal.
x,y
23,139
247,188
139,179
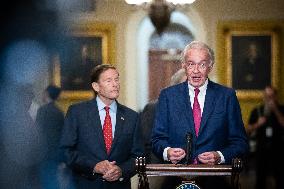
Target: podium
x,y
187,172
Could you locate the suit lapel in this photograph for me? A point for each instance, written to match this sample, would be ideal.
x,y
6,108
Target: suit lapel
x,y
95,123
186,107
209,105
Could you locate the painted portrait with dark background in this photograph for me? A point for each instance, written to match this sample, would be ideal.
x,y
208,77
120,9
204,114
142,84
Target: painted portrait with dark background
x,y
77,60
251,62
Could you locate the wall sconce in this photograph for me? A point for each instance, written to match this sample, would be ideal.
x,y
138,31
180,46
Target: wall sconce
x,y
159,10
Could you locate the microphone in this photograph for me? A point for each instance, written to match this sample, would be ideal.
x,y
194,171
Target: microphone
x,y
188,148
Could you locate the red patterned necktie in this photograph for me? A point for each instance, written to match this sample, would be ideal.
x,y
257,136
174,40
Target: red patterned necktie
x,y
196,112
107,130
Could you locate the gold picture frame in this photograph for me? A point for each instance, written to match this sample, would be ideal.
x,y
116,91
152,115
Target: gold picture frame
x,y
97,40
239,41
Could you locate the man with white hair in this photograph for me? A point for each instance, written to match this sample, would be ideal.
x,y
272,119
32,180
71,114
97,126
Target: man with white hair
x,y
200,107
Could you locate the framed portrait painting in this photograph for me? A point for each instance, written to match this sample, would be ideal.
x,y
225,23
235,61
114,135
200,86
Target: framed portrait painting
x,y
85,47
249,57
250,61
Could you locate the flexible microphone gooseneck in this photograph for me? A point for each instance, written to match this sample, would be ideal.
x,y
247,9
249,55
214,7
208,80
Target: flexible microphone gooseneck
x,y
188,148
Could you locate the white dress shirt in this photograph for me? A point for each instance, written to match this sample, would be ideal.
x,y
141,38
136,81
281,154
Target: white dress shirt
x,y
112,112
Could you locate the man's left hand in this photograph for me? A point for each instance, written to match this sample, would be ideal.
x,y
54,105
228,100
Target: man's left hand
x,y
113,174
211,158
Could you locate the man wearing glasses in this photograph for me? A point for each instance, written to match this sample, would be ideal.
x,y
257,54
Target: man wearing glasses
x,y
204,109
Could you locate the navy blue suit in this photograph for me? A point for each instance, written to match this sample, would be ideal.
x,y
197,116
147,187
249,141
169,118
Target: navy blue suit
x,y
221,127
83,144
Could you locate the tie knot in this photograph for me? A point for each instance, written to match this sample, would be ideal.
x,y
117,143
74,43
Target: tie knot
x,y
107,108
196,91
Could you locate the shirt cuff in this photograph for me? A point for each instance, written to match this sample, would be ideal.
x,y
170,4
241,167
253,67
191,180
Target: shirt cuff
x,y
165,154
222,157
121,179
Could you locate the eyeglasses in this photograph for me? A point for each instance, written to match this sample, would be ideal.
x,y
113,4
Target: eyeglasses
x,y
200,66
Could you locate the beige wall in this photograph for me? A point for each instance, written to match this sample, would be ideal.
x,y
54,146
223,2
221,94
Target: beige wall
x,y
210,13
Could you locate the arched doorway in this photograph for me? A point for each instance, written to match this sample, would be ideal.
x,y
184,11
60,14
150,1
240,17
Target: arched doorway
x,y
138,36
164,57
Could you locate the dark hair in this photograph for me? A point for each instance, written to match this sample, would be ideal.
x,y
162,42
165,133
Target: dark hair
x,y
98,70
53,91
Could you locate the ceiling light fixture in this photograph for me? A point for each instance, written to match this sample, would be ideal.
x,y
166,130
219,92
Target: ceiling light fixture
x,y
159,10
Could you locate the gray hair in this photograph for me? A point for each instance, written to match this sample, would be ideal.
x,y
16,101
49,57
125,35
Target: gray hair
x,y
198,45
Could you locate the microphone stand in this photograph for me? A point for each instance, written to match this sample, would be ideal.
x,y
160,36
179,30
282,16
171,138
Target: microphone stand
x,y
188,148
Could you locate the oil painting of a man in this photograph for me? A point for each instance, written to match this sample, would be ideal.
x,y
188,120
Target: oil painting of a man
x,y
82,54
251,62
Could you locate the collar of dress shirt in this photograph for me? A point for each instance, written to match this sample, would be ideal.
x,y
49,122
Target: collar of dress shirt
x,y
202,89
101,105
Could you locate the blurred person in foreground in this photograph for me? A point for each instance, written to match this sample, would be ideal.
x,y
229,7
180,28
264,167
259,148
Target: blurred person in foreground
x,y
100,137
22,149
206,110
266,127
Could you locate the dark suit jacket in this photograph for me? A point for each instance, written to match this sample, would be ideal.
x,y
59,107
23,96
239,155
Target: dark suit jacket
x,y
146,122
221,127
51,119
84,147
